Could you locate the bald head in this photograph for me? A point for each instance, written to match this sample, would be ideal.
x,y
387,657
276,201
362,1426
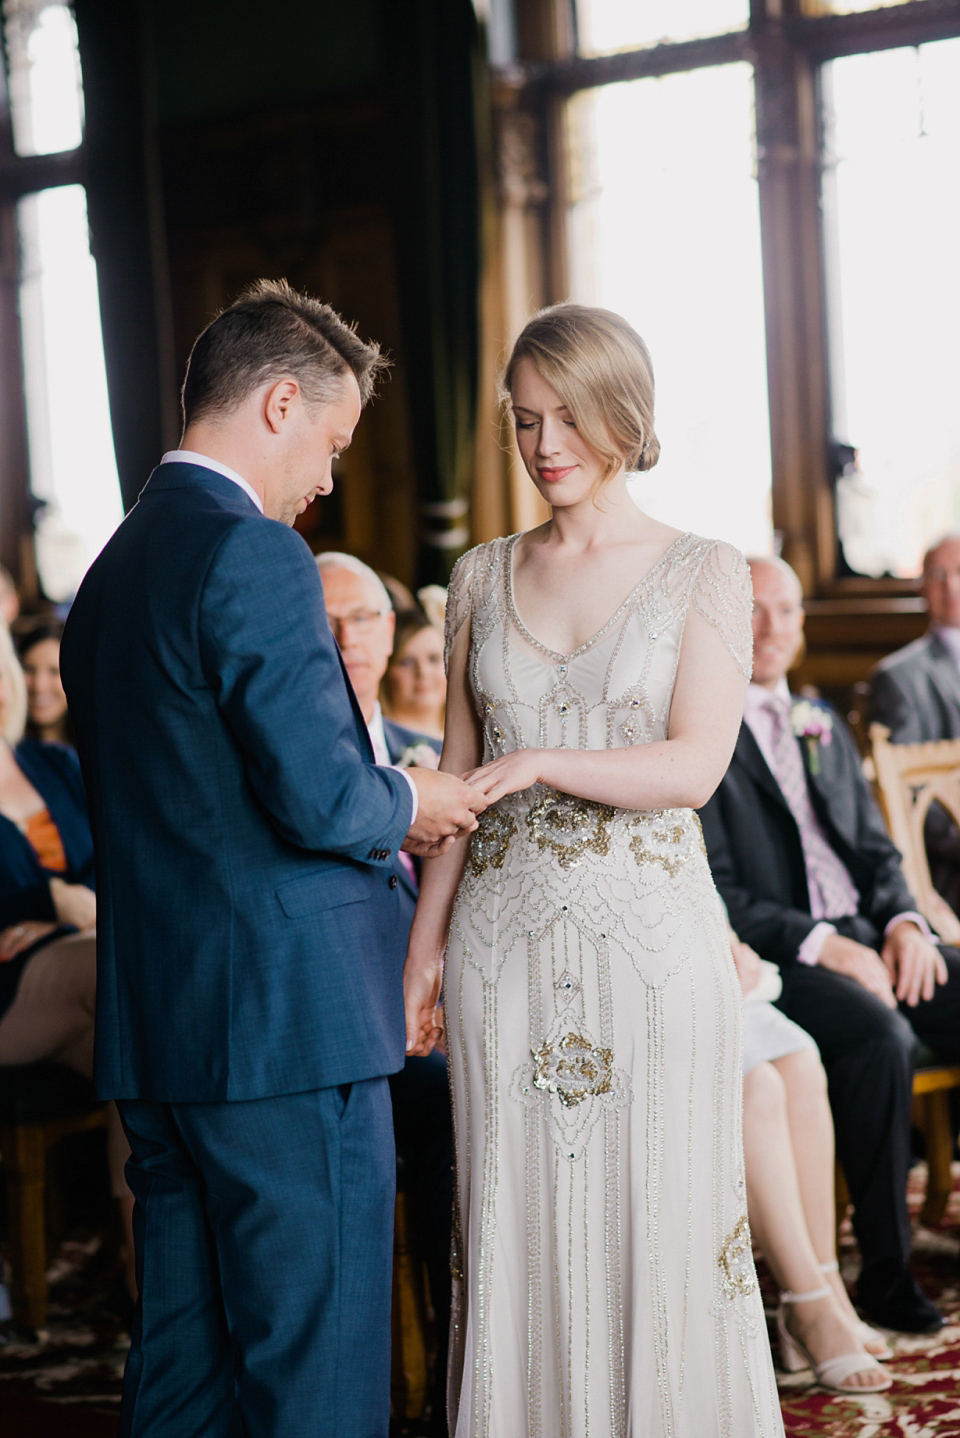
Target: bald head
x,y
940,585
777,619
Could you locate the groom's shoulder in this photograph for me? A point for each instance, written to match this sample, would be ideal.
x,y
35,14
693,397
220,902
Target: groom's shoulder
x,y
259,546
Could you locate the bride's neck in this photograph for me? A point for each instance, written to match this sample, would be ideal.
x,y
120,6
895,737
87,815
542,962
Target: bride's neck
x,y
609,516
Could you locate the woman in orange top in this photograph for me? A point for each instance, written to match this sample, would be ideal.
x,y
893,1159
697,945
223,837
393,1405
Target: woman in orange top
x,y
48,907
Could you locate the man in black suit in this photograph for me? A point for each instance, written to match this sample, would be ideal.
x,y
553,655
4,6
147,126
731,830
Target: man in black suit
x,y
362,618
812,882
916,694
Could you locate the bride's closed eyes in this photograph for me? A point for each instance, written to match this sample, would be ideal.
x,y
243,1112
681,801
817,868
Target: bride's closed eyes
x,y
532,423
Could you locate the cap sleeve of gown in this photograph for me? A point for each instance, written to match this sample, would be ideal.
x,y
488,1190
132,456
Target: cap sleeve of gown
x,y
723,594
461,596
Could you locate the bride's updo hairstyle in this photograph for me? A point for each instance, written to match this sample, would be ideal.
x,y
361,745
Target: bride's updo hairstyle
x,y
601,369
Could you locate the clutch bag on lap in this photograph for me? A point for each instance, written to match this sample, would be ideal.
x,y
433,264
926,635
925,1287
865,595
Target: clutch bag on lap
x,y
770,987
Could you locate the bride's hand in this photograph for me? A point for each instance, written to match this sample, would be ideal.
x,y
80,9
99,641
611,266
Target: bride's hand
x,y
421,995
508,775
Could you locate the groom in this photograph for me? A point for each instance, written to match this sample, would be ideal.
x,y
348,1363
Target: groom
x,y
249,1004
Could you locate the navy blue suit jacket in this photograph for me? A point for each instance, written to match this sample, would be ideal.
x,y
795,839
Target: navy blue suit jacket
x,y
249,942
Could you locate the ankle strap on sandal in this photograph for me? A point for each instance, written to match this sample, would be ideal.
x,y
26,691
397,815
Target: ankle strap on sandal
x,y
831,1267
810,1297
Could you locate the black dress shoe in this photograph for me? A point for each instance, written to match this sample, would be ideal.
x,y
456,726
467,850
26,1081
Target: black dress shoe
x,y
887,1294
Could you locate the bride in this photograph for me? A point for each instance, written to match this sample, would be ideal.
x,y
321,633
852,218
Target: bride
x,y
603,1277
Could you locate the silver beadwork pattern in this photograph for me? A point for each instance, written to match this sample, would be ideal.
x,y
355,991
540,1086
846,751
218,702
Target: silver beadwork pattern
x,y
604,1282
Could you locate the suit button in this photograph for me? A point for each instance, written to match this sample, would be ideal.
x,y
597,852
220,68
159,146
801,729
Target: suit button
x,y
393,881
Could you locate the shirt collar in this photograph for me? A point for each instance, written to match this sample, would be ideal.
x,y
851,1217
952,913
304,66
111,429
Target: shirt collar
x,y
758,698
950,639
189,456
378,736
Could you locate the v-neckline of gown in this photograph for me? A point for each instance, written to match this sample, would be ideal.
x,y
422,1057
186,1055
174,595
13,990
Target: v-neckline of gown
x,y
601,633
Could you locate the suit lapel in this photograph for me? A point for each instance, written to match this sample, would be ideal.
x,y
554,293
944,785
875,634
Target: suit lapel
x,y
363,733
749,754
945,669
833,797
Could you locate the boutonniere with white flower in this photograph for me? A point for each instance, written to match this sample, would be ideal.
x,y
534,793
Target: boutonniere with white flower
x,y
419,756
815,724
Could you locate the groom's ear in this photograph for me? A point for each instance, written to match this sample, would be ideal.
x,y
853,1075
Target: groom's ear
x,y
279,401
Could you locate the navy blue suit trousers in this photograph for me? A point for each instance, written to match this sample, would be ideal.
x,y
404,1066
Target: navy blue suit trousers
x,y
264,1237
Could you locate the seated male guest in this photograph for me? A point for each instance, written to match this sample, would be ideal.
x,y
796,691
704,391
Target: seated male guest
x,y
362,619
811,881
916,693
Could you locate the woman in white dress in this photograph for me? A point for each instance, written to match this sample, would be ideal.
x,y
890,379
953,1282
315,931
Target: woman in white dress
x,y
604,1283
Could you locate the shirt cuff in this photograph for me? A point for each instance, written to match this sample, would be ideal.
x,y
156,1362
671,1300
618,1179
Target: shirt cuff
x,y
909,917
809,950
413,790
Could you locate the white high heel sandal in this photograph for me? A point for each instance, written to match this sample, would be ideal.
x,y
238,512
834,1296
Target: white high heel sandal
x,y
864,1332
832,1372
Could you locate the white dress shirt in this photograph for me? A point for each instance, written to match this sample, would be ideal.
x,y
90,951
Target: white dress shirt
x,y
189,456
381,753
950,639
760,721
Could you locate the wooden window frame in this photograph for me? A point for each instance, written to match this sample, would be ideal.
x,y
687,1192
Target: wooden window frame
x,y
19,175
786,49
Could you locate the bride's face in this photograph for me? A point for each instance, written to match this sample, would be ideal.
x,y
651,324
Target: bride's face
x,y
557,458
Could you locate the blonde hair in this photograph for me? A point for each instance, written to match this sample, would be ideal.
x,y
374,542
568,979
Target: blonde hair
x,y
601,369
13,715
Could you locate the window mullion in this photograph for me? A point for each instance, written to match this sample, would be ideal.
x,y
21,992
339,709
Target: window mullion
x,y
788,175
15,525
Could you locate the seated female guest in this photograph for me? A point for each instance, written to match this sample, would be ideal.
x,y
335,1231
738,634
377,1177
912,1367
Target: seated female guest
x,y
47,716
414,688
788,1153
48,909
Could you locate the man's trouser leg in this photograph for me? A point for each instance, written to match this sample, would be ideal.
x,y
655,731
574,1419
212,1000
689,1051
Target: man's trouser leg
x,y
264,1238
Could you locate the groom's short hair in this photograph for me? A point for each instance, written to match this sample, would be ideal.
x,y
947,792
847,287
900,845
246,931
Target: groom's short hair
x,y
270,331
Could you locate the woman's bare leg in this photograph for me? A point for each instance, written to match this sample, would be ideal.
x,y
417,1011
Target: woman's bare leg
x,y
779,1224
812,1141
52,1017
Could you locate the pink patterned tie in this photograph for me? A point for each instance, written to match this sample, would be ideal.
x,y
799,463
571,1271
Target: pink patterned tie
x,y
833,894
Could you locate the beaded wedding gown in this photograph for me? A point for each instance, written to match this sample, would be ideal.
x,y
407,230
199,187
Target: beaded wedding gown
x,y
604,1285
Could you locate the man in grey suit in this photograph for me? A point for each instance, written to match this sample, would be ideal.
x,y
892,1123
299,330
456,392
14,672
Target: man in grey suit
x,y
915,692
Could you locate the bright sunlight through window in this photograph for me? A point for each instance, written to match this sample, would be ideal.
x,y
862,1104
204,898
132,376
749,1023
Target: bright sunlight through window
x,y
665,229
606,25
72,463
892,202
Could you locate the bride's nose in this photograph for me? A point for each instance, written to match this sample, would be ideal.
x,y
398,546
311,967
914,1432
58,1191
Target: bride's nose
x,y
550,441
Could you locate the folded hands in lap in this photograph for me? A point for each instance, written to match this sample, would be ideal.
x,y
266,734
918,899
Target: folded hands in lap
x,y
18,937
907,968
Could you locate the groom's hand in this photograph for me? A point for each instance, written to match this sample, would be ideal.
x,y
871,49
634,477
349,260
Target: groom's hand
x,y
448,810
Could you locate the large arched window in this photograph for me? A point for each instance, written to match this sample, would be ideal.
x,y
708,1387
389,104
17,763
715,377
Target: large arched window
x,y
770,190
49,311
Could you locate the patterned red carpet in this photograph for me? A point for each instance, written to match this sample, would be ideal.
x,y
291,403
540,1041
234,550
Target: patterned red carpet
x,y
924,1401
75,1368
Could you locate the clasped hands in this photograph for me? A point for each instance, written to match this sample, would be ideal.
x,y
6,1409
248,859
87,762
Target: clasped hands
x,y
74,904
449,806
907,968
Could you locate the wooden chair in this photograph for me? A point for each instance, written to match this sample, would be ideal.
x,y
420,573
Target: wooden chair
x,y
909,778
39,1105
